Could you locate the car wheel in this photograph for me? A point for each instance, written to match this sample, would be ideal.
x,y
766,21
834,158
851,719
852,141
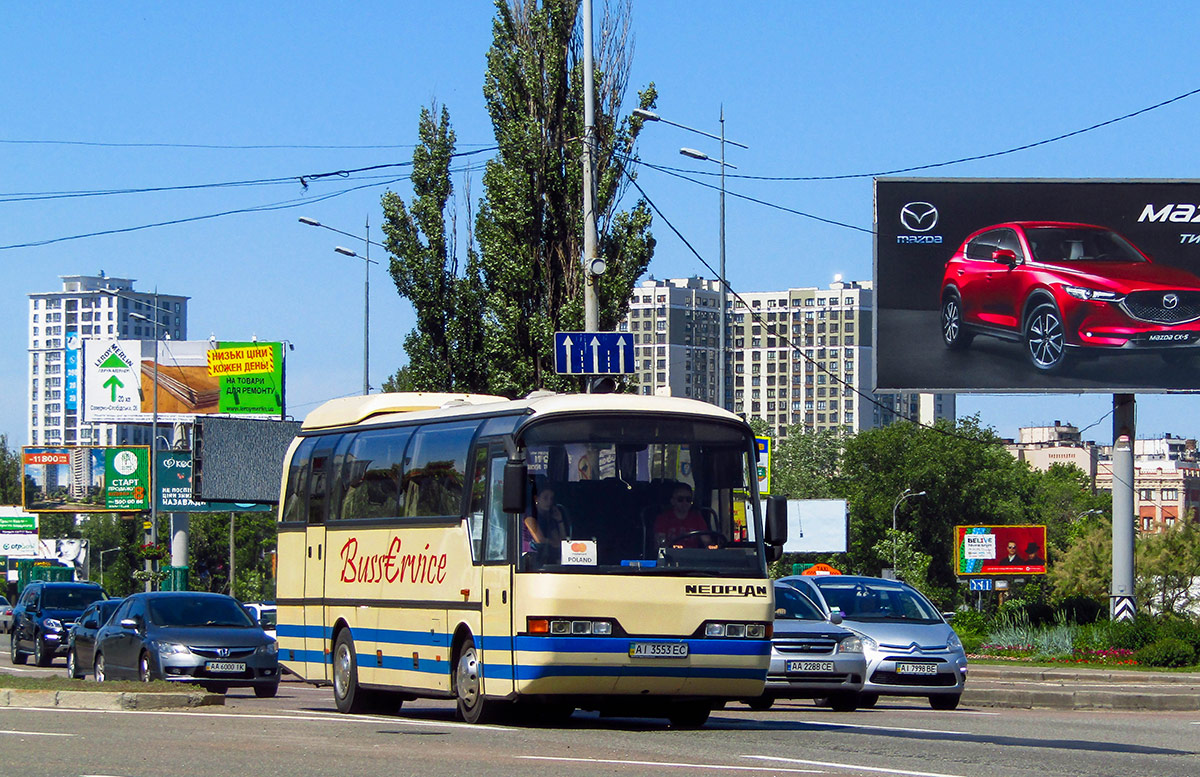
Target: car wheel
x,y
144,672
1045,338
844,702
868,700
351,698
944,701
266,691
73,665
17,656
760,704
40,656
689,715
473,707
954,336
98,668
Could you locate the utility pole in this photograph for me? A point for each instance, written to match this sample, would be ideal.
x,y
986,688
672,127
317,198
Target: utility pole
x,y
592,265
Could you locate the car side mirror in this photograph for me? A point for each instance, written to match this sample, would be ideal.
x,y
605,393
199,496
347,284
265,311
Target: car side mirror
x,y
1005,256
129,623
90,623
835,617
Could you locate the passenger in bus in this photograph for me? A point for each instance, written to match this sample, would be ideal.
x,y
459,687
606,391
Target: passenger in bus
x,y
679,520
543,528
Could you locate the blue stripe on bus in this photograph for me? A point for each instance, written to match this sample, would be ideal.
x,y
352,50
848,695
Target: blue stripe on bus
x,y
566,670
535,644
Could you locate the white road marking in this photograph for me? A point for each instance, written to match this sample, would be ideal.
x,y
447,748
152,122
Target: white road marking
x,y
668,764
828,724
34,733
830,765
312,717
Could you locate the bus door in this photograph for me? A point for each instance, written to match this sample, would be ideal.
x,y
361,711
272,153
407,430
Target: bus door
x,y
496,579
316,644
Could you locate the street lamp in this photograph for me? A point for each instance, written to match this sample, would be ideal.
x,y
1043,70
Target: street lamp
x,y
642,113
153,441
908,492
110,550
367,262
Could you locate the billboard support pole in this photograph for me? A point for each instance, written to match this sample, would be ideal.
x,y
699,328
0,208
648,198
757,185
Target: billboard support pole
x,y
1122,603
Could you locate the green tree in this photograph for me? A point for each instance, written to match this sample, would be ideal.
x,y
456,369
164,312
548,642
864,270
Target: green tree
x,y
445,350
805,463
11,473
530,221
1168,563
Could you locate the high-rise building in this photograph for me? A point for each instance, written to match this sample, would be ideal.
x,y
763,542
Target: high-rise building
x,y
800,356
88,308
675,327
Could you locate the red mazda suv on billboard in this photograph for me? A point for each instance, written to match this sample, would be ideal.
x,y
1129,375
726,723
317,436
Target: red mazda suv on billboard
x,y
1064,290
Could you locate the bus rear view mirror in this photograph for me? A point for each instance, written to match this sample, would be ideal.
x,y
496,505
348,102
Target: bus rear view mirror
x,y
516,477
776,520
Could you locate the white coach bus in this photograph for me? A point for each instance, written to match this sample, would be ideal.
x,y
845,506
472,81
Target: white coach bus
x,y
520,556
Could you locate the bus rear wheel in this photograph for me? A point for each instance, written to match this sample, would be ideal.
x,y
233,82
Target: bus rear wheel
x,y
689,715
351,698
473,707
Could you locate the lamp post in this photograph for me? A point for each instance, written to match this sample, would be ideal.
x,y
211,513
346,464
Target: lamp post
x,y
908,492
694,154
110,550
153,442
367,262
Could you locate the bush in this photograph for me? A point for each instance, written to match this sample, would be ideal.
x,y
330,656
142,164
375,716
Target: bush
x,y
1081,609
1166,652
1178,628
968,623
1129,635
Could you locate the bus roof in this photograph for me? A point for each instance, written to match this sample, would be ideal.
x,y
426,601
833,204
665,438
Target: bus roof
x,y
348,411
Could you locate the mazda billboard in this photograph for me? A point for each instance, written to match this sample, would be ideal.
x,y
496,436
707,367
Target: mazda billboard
x,y
1037,286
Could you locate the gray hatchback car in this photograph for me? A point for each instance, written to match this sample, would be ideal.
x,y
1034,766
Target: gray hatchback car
x,y
187,636
811,656
909,647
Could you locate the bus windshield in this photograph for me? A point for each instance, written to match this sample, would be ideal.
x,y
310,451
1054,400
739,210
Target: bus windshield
x,y
640,494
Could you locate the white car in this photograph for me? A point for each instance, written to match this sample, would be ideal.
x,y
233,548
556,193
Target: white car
x,y
5,615
263,615
909,647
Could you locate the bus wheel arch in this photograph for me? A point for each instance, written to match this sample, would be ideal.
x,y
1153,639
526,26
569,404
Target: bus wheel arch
x,y
350,697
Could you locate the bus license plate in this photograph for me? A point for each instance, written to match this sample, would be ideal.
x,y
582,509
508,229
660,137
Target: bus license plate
x,y
809,666
224,666
916,668
658,650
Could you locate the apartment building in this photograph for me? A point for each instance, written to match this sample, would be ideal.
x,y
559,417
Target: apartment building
x,y
88,307
798,356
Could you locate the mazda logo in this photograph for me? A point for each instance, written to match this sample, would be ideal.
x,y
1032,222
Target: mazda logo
x,y
919,216
1170,301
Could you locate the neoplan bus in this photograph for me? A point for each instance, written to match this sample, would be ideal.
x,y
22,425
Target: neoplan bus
x,y
404,572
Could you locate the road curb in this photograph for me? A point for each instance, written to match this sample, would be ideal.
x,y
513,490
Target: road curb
x,y
1080,700
100,700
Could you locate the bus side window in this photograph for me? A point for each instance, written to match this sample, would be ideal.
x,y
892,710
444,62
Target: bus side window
x,y
318,480
496,533
294,505
478,502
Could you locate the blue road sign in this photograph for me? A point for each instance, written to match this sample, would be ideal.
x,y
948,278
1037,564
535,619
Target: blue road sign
x,y
593,353
981,584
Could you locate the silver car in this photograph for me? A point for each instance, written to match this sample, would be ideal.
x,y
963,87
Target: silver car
x,y
910,649
811,656
5,615
187,636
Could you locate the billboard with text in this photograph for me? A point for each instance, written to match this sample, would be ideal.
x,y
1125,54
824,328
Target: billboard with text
x,y
193,378
1000,550
85,479
1037,286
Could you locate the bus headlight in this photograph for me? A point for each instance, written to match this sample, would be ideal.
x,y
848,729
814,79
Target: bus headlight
x,y
736,630
563,627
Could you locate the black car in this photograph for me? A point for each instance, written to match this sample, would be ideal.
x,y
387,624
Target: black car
x,y
187,636
81,645
44,615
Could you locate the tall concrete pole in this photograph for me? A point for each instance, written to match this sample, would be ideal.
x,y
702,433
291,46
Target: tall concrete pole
x,y
721,280
591,304
1122,603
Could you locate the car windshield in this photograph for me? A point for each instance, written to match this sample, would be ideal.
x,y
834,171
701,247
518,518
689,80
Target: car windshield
x,y
790,604
1079,244
877,600
70,598
185,611
641,494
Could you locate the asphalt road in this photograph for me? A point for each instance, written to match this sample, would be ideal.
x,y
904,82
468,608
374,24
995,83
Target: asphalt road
x,y
299,732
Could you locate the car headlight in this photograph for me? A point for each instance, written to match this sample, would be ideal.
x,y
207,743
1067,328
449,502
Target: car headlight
x,y
850,645
953,642
269,649
172,648
52,624
1082,292
868,644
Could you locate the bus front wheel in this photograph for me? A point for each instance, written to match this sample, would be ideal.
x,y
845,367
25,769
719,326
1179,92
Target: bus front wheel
x,y
468,687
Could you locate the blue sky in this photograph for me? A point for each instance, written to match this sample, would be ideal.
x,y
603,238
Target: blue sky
x,y
814,89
